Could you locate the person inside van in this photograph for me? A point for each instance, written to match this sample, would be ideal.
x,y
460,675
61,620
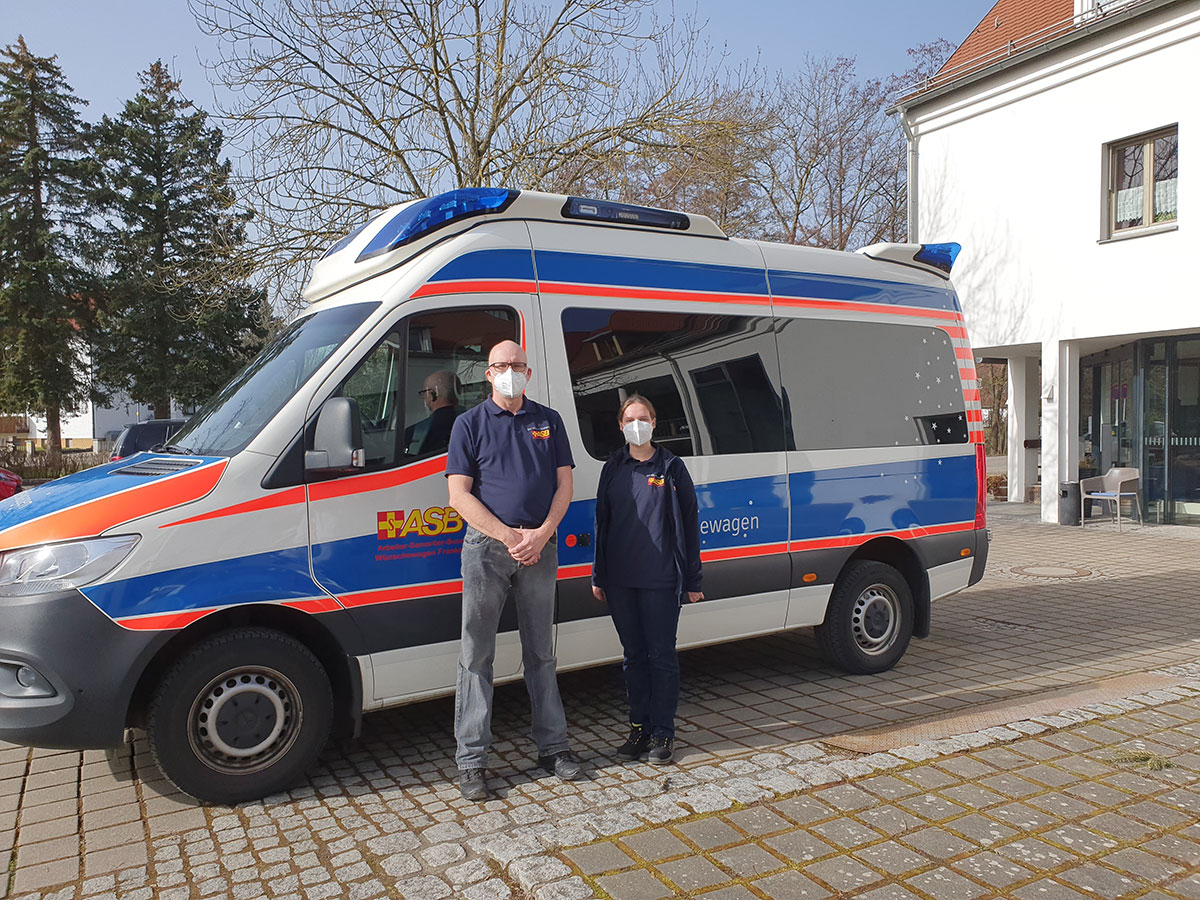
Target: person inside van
x,y
432,435
647,563
509,476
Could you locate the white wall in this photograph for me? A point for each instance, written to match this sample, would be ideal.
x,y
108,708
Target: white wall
x,y
1014,174
1013,168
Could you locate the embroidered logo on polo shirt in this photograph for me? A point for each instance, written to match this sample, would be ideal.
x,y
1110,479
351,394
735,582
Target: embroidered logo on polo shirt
x,y
655,480
540,434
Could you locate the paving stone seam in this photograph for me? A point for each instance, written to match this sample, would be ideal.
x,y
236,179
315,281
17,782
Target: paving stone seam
x,y
906,757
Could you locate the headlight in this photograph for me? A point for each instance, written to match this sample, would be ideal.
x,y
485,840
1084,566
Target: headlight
x,y
60,567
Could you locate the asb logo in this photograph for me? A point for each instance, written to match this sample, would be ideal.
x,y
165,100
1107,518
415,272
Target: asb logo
x,y
541,434
425,522
655,480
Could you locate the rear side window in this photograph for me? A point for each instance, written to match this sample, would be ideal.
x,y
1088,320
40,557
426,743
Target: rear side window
x,y
713,380
150,435
868,384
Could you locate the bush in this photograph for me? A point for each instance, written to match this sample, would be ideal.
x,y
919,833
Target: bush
x,y
39,467
997,485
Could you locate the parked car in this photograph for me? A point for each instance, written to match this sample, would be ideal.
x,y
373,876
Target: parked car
x,y
144,435
10,483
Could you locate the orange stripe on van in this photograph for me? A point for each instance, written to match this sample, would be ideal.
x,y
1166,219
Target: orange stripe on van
x,y
583,571
967,374
636,293
877,308
742,552
854,540
97,516
357,484
289,497
955,331
165,622
971,394
391,595
964,353
475,286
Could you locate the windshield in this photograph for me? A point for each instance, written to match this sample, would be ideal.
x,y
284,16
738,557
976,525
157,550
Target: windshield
x,y
231,419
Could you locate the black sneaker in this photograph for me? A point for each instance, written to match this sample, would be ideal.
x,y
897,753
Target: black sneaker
x,y
564,764
662,750
635,745
472,784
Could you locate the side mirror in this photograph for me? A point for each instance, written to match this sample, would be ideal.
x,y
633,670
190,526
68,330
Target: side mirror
x,y
338,441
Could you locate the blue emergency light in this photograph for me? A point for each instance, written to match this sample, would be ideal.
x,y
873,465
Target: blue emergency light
x,y
940,256
428,215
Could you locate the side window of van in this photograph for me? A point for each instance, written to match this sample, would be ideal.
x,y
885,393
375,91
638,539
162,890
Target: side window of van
x,y
413,385
713,379
871,384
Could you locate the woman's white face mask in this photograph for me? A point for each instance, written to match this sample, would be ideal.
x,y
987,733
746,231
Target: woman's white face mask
x,y
510,383
637,432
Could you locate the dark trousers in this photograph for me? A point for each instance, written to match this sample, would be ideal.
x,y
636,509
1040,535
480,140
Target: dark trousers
x,y
647,621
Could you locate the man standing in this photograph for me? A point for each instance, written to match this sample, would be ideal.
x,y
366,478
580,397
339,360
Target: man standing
x,y
509,474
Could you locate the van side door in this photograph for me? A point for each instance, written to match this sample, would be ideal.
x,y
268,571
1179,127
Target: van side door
x,y
384,541
618,321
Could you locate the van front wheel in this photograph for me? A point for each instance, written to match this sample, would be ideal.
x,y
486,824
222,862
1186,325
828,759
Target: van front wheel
x,y
869,620
240,716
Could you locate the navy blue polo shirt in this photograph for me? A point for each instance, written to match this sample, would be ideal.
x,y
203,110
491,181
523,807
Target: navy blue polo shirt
x,y
641,545
513,458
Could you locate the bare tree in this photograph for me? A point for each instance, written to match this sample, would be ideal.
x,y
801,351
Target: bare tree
x,y
347,106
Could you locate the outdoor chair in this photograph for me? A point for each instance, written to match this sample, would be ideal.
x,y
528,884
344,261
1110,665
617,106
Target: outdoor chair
x,y
1111,487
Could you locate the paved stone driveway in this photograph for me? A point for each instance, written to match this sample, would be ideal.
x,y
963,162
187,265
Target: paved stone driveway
x,y
1061,609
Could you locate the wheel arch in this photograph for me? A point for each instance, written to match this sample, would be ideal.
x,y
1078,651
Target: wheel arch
x,y
902,557
340,665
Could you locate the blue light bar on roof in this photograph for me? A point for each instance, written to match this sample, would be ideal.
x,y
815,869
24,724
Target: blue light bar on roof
x,y
624,213
429,215
940,256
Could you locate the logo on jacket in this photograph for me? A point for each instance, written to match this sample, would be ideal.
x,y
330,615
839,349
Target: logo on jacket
x,y
540,434
425,522
655,480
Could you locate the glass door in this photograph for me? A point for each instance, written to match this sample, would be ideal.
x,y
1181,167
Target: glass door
x,y
1183,453
1154,442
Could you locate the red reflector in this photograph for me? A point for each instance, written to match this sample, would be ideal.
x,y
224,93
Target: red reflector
x,y
980,488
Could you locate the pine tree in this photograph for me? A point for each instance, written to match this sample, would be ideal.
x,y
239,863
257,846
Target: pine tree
x,y
177,320
45,180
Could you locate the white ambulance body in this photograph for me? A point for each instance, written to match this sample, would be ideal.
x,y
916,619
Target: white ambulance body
x,y
290,561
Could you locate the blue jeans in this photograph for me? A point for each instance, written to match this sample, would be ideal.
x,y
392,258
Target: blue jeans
x,y
647,622
489,573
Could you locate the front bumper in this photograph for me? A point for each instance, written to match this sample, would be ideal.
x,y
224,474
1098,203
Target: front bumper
x,y
86,666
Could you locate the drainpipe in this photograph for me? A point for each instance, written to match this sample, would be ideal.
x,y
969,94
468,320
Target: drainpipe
x,y
912,176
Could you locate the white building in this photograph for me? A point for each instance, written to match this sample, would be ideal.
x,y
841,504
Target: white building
x,y
1054,147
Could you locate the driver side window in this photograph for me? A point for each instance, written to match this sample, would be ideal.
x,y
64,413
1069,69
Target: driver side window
x,y
426,372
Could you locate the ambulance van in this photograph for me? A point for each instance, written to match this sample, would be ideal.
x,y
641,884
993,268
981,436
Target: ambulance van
x,y
290,561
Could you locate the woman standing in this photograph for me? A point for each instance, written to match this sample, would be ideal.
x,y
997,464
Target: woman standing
x,y
647,562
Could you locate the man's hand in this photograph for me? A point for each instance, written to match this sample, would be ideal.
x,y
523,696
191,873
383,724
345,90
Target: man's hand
x,y
528,550
598,593
695,596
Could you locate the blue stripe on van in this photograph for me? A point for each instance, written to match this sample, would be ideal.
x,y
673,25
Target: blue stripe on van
x,y
260,578
860,290
882,497
492,264
367,563
624,271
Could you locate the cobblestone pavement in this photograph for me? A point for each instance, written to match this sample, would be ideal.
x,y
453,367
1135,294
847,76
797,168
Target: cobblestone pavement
x,y
986,764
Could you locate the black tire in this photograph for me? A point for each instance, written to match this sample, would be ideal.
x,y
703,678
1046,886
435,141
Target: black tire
x,y
276,707
869,620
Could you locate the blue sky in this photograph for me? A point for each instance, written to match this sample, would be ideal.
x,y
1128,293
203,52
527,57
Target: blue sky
x,y
102,46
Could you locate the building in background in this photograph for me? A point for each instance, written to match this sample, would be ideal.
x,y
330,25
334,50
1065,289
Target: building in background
x,y
1058,146
95,427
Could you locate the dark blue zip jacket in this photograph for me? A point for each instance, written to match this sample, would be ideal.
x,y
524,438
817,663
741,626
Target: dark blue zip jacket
x,y
685,520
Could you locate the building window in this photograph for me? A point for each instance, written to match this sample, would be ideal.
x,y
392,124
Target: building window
x,y
1143,176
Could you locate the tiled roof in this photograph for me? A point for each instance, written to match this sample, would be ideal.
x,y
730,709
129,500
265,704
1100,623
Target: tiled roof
x,y
1023,23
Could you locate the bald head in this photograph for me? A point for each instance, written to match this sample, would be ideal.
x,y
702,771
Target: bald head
x,y
507,361
439,390
507,351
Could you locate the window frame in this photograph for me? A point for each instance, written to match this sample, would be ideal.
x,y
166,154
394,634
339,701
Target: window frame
x,y
1146,141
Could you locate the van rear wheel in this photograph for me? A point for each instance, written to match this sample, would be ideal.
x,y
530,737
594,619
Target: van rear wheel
x,y
869,620
242,715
